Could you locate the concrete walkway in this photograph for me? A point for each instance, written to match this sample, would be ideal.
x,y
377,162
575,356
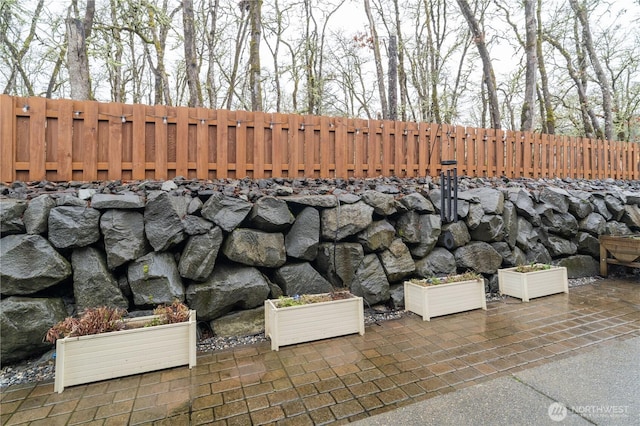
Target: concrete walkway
x,y
600,387
506,365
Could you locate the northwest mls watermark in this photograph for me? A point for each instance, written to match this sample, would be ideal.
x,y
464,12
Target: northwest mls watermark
x,y
558,411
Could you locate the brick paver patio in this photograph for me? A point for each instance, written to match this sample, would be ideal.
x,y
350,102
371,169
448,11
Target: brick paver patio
x,y
343,379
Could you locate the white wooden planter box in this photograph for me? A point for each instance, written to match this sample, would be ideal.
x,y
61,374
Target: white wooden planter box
x,y
86,359
314,321
443,299
528,285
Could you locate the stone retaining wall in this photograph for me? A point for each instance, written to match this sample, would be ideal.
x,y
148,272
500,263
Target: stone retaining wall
x,y
226,246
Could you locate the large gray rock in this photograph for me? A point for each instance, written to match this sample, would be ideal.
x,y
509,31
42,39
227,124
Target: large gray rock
x,y
255,248
510,219
430,227
558,246
383,204
490,229
270,214
117,201
301,278
631,217
199,255
557,198
93,284
478,256
632,198
453,235
154,279
29,264
301,242
11,211
345,220
593,224
600,206
71,226
322,201
476,212
24,321
527,235
587,244
242,323
615,205
339,262
563,224
579,266
417,202
377,237
510,256
163,216
580,207
524,205
123,235
439,262
491,200
408,227
229,287
397,261
370,281
36,216
538,253
225,211
195,225
616,228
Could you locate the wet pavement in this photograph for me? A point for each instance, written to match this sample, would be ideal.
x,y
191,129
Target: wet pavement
x,y
523,351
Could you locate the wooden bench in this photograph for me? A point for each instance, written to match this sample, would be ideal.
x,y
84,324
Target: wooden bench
x,y
619,250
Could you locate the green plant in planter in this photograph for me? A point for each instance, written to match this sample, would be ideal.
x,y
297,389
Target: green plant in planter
x,y
305,299
429,281
532,267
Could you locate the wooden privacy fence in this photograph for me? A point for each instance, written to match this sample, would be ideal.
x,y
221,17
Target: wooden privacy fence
x,y
63,140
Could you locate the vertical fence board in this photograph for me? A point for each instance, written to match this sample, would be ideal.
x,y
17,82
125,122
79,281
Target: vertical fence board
x,y
37,143
259,145
341,149
423,148
182,138
160,150
359,150
222,136
138,140
202,145
435,149
90,141
7,139
296,147
64,141
114,142
278,151
325,145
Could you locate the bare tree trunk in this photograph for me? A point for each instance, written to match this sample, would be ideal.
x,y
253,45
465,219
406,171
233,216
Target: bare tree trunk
x,y
393,78
489,76
402,74
240,38
526,120
547,111
589,118
378,60
434,65
78,31
255,14
193,71
605,87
